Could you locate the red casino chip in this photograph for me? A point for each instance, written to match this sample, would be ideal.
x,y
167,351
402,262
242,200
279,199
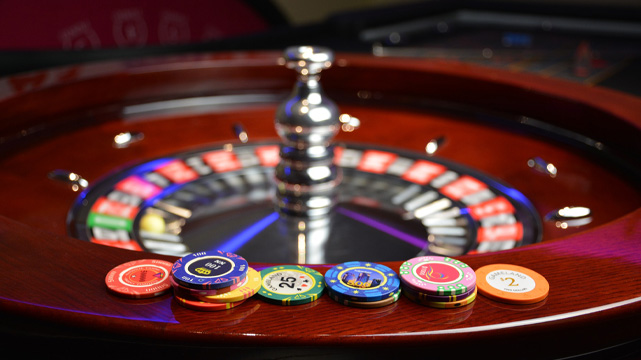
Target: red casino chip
x,y
140,279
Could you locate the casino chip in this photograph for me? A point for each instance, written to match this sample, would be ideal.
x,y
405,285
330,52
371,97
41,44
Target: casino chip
x,y
512,284
187,292
140,279
442,304
291,285
437,275
213,281
209,270
366,304
248,287
424,297
438,281
359,281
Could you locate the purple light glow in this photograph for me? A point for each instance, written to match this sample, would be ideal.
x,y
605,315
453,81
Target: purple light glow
x,y
419,243
163,316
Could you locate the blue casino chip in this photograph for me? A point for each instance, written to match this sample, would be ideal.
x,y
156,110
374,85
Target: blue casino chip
x,y
209,270
362,281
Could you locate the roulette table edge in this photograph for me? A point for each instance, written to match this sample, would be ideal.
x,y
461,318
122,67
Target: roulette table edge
x,y
53,285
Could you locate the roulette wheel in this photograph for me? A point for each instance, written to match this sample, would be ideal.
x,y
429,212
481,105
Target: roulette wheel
x,y
110,162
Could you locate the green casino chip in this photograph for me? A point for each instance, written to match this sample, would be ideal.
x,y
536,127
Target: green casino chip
x,y
291,285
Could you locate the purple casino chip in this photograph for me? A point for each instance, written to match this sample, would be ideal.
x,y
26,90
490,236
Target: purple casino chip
x,y
210,270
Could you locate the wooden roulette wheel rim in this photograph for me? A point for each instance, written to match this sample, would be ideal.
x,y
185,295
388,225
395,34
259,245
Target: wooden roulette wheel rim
x,y
53,281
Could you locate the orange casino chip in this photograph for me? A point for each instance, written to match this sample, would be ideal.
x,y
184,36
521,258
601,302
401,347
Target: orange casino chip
x,y
511,284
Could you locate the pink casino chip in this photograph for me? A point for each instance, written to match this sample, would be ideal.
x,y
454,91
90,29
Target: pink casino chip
x,y
437,275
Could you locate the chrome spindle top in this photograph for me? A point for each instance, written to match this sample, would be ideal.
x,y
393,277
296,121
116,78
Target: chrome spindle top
x,y
307,121
308,60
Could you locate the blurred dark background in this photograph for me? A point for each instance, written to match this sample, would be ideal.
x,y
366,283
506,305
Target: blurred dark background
x,y
597,42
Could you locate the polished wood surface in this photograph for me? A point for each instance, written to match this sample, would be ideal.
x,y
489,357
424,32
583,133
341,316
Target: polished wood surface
x,y
69,120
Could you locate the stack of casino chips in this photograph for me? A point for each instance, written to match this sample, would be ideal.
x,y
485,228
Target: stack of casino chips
x,y
289,285
362,284
438,281
213,280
